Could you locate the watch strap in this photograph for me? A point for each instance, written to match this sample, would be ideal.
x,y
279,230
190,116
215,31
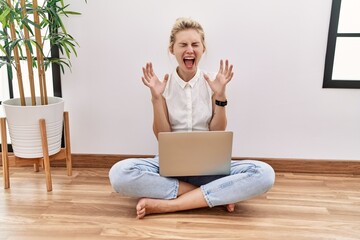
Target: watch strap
x,y
221,103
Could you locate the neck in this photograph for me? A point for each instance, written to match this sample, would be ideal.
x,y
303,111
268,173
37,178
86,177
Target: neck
x,y
186,76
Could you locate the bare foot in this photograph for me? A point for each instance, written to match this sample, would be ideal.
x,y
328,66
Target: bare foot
x,y
230,207
147,206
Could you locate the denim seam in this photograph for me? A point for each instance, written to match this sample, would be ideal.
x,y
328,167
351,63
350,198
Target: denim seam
x,y
206,194
203,190
176,190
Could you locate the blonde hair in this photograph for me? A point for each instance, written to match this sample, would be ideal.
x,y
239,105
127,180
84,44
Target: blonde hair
x,y
182,24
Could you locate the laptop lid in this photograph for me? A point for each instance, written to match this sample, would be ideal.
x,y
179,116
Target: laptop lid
x,y
195,153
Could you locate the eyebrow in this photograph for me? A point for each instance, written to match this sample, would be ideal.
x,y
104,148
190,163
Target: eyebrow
x,y
187,43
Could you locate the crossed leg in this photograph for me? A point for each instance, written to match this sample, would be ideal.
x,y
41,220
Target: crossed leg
x,y
189,197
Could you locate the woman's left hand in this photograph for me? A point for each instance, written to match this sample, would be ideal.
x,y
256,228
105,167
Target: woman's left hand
x,y
224,76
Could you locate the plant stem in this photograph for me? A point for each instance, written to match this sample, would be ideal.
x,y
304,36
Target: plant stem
x,y
29,58
17,62
40,57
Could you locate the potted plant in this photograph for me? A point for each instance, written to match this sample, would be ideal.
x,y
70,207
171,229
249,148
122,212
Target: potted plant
x,y
29,32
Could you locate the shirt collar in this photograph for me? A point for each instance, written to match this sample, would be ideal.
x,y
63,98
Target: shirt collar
x,y
192,81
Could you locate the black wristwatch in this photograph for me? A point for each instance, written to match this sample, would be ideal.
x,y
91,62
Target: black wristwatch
x,y
220,103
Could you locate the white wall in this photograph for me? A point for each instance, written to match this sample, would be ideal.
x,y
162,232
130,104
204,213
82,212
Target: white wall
x,y
277,107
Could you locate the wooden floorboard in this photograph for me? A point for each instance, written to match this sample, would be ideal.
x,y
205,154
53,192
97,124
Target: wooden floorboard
x,y
328,166
83,206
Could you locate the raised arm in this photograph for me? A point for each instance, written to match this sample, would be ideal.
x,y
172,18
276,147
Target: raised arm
x,y
157,88
218,86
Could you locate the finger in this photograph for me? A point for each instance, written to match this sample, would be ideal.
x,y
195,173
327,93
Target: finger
x,y
166,78
231,76
226,65
144,71
206,77
151,70
146,83
148,70
230,70
146,75
221,66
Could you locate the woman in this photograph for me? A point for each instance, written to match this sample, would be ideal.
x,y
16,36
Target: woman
x,y
188,100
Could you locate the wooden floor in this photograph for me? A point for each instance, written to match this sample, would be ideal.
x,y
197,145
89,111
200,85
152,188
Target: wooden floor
x,y
300,206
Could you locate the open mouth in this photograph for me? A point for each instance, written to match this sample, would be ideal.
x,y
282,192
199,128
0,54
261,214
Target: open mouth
x,y
189,62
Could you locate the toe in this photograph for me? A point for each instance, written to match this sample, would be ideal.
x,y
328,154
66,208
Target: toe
x,y
230,207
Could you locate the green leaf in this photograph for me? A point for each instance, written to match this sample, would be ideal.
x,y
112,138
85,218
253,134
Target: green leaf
x,y
71,13
2,63
4,17
15,43
3,49
28,44
25,23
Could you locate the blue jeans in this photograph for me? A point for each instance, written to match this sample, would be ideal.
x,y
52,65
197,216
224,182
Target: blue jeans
x,y
139,177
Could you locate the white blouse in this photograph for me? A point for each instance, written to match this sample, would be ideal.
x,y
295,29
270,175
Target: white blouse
x,y
189,104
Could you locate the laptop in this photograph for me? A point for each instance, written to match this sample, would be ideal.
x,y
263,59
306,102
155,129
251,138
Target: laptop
x,y
195,153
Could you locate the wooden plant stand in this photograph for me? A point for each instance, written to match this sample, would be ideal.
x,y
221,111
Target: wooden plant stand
x,y
64,153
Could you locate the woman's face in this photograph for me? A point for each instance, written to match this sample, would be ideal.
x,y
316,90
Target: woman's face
x,y
188,49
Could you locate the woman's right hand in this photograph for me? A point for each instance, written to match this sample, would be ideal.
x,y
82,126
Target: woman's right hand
x,y
152,81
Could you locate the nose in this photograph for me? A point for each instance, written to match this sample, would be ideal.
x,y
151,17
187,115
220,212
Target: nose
x,y
189,49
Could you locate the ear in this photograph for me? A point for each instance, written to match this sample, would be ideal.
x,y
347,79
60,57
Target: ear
x,y
171,50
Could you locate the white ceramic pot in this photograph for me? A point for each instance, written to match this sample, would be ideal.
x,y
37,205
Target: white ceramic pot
x,y
24,128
